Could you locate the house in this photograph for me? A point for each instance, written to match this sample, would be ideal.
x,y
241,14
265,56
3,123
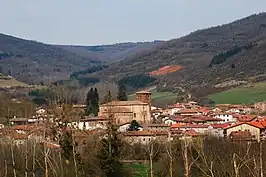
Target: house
x,y
169,121
90,123
124,127
226,117
255,130
25,121
199,128
260,106
156,112
145,137
40,111
188,112
157,127
175,108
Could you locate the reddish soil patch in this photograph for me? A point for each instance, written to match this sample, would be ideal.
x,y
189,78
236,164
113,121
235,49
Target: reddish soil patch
x,y
165,70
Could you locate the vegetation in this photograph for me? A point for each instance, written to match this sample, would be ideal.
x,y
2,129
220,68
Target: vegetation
x,y
108,98
136,81
134,126
108,154
223,56
89,70
241,95
122,93
194,53
92,102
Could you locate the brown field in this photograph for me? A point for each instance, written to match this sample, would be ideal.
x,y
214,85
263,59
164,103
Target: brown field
x,y
165,70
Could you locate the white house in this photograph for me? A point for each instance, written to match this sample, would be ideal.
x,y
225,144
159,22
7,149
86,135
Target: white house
x,y
92,123
169,121
226,117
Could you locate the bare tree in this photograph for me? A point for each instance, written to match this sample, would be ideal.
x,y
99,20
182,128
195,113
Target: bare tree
x,y
170,155
188,162
152,152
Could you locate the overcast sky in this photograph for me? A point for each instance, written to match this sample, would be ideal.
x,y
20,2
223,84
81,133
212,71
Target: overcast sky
x,y
91,22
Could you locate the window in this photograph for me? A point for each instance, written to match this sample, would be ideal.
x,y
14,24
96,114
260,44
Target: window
x,y
134,114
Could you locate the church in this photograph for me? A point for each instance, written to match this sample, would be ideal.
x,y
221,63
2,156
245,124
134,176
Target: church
x,y
121,112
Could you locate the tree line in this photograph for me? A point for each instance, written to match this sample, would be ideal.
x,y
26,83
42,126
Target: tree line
x,y
107,157
223,56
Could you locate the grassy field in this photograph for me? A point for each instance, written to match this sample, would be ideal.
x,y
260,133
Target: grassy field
x,y
159,98
139,170
241,95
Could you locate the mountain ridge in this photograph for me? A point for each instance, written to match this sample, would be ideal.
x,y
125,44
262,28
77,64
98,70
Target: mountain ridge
x,y
195,52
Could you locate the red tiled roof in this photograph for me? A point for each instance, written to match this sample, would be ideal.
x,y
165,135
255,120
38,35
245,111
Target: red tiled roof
x,y
190,133
24,127
224,125
145,133
256,124
182,111
246,118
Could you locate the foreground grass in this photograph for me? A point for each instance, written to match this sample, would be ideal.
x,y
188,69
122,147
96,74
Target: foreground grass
x,y
241,95
138,170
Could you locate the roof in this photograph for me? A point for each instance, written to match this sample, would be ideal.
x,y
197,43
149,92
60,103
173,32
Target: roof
x,y
256,124
19,120
124,103
24,127
246,118
88,119
158,125
143,92
145,133
188,111
190,133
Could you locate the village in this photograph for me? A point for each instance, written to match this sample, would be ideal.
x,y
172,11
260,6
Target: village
x,y
189,120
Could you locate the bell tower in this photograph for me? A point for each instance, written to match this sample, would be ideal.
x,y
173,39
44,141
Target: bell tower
x,y
144,96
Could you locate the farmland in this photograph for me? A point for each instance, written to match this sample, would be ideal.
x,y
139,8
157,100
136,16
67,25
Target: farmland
x,y
241,95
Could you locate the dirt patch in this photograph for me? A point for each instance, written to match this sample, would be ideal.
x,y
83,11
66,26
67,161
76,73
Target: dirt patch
x,y
166,70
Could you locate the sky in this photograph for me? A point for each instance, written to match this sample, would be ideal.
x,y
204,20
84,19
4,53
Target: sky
x,y
93,22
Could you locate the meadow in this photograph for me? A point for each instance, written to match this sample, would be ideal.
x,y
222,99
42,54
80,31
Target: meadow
x,y
241,95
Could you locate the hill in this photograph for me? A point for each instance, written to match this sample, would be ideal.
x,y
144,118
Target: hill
x,y
10,82
241,95
232,53
112,53
35,62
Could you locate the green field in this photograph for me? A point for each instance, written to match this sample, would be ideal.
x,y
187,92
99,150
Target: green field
x,y
138,170
241,95
159,98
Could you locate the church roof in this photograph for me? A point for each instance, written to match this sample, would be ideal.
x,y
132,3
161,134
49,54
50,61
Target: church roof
x,y
124,103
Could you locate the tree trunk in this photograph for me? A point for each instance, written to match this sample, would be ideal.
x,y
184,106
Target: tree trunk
x,y
261,160
26,159
13,161
74,155
171,166
235,166
151,160
34,159
186,162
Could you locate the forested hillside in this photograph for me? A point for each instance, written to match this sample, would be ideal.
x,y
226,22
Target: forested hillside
x,y
231,52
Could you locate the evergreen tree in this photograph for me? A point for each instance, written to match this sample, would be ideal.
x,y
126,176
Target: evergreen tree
x,y
109,152
89,106
95,102
65,142
108,97
134,126
122,95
